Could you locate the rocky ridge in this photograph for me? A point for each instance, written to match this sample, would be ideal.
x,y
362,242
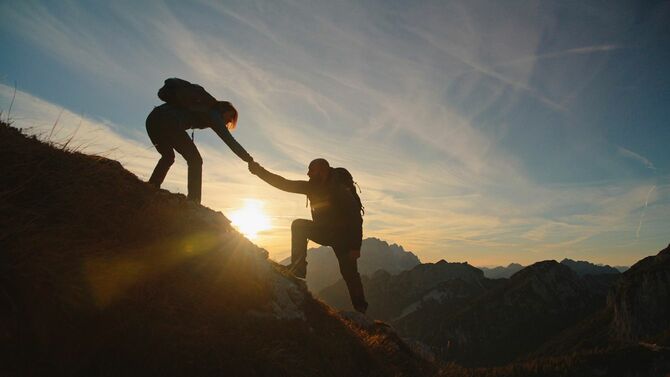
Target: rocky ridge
x,y
376,254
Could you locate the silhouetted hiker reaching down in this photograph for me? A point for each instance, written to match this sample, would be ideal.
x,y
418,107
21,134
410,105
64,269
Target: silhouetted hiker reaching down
x,y
336,221
188,106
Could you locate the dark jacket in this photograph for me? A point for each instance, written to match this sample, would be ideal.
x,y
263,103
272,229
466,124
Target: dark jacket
x,y
192,119
331,203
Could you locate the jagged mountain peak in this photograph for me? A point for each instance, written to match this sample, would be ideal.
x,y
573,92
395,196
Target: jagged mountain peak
x,y
444,262
447,269
392,247
501,272
544,269
588,268
376,254
550,281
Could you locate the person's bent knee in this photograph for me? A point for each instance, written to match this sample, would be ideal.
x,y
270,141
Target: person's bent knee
x,y
167,160
299,224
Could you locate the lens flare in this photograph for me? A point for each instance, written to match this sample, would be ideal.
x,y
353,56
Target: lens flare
x,y
250,219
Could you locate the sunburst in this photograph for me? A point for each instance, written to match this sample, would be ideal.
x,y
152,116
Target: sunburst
x,y
250,219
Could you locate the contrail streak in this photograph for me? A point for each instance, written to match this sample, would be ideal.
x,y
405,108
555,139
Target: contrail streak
x,y
646,201
558,54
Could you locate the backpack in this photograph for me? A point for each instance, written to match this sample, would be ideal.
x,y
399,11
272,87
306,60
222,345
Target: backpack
x,y
343,177
182,93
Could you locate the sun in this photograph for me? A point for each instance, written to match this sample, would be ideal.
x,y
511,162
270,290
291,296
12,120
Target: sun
x,y
250,219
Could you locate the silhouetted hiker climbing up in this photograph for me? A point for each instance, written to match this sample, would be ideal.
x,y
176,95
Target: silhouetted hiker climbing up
x,y
188,106
336,221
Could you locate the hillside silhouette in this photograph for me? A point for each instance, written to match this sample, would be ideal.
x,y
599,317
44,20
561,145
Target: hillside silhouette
x,y
547,319
102,274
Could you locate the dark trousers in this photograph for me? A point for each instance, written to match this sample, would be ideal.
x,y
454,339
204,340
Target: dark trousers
x,y
165,126
303,230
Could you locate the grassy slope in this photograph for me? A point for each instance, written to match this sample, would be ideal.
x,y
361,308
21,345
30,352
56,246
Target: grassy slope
x,y
100,274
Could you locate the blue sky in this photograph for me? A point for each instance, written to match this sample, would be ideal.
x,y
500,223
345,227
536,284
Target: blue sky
x,y
487,132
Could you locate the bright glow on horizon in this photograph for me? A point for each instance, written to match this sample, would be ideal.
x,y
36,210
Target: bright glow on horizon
x,y
251,219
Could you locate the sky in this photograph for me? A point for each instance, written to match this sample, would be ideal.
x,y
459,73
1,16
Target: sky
x,y
481,131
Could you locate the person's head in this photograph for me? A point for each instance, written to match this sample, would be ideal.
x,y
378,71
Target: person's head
x,y
318,170
228,113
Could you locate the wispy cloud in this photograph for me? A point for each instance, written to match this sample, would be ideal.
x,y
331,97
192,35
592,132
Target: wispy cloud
x,y
636,157
403,97
564,53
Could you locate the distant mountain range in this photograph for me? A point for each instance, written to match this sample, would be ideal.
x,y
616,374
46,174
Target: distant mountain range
x,y
587,268
580,267
323,269
392,296
545,309
500,271
508,320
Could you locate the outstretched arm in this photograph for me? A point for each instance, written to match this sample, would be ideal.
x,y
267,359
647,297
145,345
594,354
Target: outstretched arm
x,y
298,187
220,128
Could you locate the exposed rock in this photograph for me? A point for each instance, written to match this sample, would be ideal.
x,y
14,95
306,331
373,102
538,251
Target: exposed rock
x,y
372,327
641,299
287,302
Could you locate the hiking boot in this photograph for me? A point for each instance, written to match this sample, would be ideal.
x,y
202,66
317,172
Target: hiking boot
x,y
361,307
298,270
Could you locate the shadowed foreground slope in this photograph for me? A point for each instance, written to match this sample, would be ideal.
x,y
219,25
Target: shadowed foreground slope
x,y
100,274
